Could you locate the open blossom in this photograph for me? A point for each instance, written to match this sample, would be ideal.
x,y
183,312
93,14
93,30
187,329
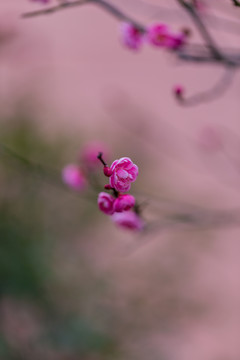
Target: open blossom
x,y
131,36
159,35
124,202
124,173
73,177
128,220
105,203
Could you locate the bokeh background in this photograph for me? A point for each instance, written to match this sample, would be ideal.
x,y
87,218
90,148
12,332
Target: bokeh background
x,y
72,285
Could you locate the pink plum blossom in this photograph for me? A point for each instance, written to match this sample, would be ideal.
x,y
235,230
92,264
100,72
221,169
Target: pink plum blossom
x,y
177,40
159,35
90,152
73,177
124,173
128,220
124,202
131,36
105,203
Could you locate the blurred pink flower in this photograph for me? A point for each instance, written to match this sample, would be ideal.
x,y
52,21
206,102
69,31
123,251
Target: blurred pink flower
x,y
210,140
123,203
159,35
124,172
73,177
90,152
105,203
128,220
177,40
131,36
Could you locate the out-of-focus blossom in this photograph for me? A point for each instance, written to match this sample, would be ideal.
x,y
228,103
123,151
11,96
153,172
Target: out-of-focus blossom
x,y
105,203
124,173
210,140
176,41
124,202
128,220
73,177
90,153
131,36
159,35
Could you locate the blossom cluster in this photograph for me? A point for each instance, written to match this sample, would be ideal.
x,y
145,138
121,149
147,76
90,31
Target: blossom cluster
x,y
120,206
159,35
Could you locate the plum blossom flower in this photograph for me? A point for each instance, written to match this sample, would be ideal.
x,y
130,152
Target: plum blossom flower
x,y
105,203
128,220
131,36
124,202
73,177
159,35
124,171
176,41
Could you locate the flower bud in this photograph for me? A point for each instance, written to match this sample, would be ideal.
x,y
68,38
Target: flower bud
x,y
124,202
107,171
105,203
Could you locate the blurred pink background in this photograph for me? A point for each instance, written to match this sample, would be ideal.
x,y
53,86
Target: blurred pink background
x,y
80,79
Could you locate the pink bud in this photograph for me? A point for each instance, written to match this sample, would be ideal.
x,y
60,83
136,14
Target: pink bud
x,y
124,172
107,171
131,36
159,35
123,203
107,187
178,91
73,177
105,203
128,220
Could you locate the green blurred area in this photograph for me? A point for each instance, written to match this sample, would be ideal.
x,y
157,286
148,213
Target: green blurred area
x,y
37,216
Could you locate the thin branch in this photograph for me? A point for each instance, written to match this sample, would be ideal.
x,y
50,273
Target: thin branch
x,y
213,93
235,3
54,9
202,30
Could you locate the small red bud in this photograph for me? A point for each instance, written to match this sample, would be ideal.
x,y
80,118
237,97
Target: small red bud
x,y
107,187
178,91
107,171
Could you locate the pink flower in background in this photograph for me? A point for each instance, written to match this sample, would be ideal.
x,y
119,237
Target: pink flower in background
x,y
210,140
90,152
73,177
128,220
177,40
123,203
105,203
131,36
159,35
124,173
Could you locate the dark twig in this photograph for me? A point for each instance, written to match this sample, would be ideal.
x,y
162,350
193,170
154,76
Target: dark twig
x,y
213,93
